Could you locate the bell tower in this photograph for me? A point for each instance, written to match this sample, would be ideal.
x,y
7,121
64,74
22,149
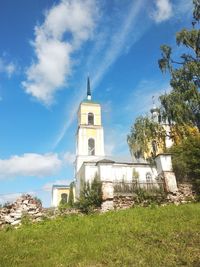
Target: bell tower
x,y
90,134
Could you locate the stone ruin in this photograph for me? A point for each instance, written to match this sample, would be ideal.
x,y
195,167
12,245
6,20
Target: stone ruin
x,y
26,205
184,194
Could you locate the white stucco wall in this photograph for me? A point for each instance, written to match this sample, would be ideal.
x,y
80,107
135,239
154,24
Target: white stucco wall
x,y
164,163
168,139
118,172
54,197
113,172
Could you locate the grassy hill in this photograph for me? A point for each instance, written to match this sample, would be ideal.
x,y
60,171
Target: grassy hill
x,y
164,236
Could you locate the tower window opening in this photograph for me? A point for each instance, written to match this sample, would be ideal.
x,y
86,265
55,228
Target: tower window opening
x,y
90,118
91,147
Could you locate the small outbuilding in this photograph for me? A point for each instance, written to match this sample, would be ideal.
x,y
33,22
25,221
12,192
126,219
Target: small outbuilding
x,y
60,192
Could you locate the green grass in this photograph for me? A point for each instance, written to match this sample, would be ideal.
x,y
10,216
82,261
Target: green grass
x,y
164,236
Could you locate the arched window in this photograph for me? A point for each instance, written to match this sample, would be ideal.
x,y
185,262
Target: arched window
x,y
149,177
91,147
90,118
64,197
149,183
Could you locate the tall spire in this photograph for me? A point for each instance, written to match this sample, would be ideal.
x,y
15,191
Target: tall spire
x,y
88,89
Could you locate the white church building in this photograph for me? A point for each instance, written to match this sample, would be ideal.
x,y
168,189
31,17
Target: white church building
x,y
90,154
91,160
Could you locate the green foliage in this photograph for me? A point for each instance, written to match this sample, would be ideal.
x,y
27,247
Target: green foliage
x,y
155,196
135,175
8,227
180,107
91,196
26,220
143,132
63,206
165,236
196,12
71,195
182,104
186,160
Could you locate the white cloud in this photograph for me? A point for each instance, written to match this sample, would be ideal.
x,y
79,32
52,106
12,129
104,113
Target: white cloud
x,y
113,45
48,186
49,72
9,68
163,10
30,165
68,158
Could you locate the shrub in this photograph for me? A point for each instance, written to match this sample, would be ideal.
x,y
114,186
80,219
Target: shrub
x,y
25,220
185,159
149,198
91,196
63,206
71,195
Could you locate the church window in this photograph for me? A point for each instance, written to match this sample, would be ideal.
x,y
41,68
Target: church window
x,y
64,198
149,183
149,177
91,147
90,118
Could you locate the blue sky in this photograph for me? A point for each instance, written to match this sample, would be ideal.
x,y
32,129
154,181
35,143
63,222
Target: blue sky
x,y
47,49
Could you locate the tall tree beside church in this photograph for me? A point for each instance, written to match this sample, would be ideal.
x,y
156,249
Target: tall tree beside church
x,y
182,105
145,138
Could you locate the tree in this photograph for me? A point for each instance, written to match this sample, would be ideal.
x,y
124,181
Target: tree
x,y
146,137
182,105
71,195
196,12
90,196
186,161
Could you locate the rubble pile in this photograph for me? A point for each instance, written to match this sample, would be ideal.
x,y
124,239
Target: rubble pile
x,y
184,194
26,205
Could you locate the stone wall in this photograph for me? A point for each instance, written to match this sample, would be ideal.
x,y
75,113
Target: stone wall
x,y
123,202
184,194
